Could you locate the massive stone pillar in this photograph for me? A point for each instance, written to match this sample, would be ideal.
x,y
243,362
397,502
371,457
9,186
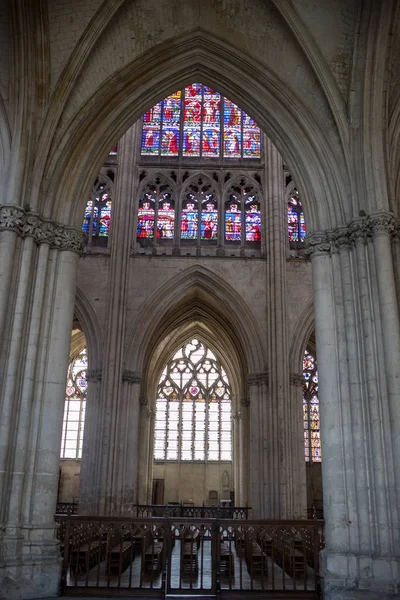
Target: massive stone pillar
x,y
358,348
109,468
34,359
278,441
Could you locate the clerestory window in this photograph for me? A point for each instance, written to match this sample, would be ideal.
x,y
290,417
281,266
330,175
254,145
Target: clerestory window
x,y
193,408
199,122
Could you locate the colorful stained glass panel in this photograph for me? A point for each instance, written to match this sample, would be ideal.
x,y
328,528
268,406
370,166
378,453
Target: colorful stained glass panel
x,y
209,221
192,120
251,138
145,226
233,223
232,130
189,221
253,223
151,130
211,122
293,224
170,125
166,219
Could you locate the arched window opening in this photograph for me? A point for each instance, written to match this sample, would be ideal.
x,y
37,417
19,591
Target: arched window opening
x,y
97,218
199,196
311,411
296,220
242,213
197,130
193,409
74,408
156,214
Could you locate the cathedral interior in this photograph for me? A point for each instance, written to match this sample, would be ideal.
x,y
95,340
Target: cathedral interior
x,y
199,290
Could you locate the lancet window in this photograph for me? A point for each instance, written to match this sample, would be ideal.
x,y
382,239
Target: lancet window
x,y
296,220
199,205
193,409
311,410
199,122
97,218
242,213
156,214
74,408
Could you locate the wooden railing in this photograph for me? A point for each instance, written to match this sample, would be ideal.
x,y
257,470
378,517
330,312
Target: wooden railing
x,y
171,510
221,558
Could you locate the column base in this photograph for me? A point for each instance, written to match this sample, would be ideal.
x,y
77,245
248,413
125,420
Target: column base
x,y
30,564
336,591
359,577
28,581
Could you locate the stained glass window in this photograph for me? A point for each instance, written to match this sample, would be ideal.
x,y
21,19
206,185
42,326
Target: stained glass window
x,y
199,196
74,408
242,213
311,412
193,409
296,221
156,214
211,126
97,217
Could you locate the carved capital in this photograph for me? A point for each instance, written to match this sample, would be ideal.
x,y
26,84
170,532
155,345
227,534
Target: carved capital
x,y
316,243
94,375
131,376
257,378
339,238
382,223
296,379
245,402
359,231
31,224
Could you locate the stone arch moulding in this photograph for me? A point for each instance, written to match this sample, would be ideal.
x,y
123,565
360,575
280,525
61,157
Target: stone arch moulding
x,y
195,294
91,328
300,336
318,166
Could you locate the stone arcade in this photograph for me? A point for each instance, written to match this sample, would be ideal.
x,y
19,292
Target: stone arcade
x,y
322,81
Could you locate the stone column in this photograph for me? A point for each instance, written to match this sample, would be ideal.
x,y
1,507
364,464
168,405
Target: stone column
x,y
358,349
262,448
33,372
144,450
243,433
88,498
296,447
277,336
112,485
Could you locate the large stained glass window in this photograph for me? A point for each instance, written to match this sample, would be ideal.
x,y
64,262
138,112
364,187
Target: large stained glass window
x,y
311,411
296,221
199,204
199,122
97,218
74,408
193,408
242,213
156,214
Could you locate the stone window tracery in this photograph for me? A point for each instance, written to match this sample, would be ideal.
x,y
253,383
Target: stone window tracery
x,y
199,122
74,408
199,205
156,213
193,409
97,217
242,213
311,410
